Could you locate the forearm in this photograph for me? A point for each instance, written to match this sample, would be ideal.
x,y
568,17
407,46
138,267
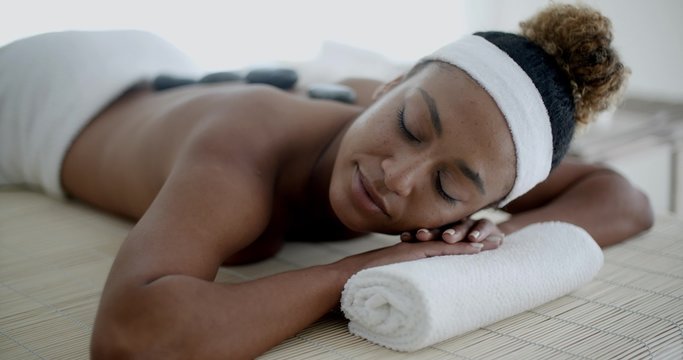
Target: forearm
x,y
605,204
179,316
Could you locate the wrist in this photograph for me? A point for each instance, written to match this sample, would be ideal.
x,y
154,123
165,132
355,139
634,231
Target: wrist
x,y
342,270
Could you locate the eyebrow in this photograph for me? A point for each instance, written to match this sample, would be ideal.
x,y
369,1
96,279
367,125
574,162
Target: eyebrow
x,y
471,174
436,122
431,104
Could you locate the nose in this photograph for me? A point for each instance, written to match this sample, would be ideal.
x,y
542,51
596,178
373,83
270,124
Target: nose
x,y
401,175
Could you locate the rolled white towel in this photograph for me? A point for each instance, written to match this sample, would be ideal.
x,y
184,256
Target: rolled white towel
x,y
408,306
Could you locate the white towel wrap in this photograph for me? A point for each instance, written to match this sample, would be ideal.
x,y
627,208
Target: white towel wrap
x,y
408,306
52,85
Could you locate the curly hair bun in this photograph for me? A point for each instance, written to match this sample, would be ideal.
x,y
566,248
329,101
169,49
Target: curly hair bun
x,y
579,38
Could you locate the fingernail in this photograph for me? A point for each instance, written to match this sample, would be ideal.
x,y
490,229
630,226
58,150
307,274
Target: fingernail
x,y
475,235
496,239
405,236
477,246
424,231
448,236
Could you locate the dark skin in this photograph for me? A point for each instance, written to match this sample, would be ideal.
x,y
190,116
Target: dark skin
x,y
223,173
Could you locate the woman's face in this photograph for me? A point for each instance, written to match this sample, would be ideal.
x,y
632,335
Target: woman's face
x,y
431,150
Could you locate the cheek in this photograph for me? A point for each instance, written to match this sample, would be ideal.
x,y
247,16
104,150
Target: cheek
x,y
430,214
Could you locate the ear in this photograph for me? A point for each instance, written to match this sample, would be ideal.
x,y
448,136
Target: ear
x,y
385,88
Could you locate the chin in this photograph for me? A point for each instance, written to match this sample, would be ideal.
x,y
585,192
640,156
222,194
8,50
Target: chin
x,y
355,221
346,214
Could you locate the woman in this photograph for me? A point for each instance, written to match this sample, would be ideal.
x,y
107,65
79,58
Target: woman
x,y
225,173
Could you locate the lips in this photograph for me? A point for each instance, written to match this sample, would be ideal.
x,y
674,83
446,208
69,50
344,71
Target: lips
x,y
365,194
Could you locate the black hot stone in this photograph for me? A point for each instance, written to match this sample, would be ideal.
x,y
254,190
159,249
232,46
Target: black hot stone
x,y
278,77
335,92
163,82
225,76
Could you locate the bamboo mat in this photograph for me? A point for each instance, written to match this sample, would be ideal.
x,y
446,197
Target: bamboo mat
x,y
54,258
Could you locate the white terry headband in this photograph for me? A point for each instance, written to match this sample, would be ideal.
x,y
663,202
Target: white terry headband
x,y
518,100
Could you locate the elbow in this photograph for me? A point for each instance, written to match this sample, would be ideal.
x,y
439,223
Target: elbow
x,y
643,214
160,320
100,350
630,211
636,209
115,338
127,327
105,346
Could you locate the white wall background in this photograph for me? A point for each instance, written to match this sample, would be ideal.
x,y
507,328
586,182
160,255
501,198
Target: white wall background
x,y
226,34
233,34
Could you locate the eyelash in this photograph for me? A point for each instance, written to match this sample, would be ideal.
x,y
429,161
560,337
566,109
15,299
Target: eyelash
x,y
400,116
440,190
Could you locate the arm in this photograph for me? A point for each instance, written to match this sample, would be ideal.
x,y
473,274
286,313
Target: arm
x,y
594,197
159,300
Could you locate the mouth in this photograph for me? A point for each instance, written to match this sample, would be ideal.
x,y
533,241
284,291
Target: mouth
x,y
366,194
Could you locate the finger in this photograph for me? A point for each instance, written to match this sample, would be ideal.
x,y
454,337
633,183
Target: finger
x,y
422,235
426,234
492,242
438,248
457,232
406,237
449,236
481,230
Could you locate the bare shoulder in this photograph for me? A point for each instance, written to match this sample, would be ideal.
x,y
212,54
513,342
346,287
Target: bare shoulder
x,y
206,211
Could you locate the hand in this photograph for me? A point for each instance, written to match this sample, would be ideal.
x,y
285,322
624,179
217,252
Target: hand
x,y
481,235
407,251
476,231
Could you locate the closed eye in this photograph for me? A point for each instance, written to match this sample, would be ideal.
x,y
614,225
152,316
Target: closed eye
x,y
440,190
400,116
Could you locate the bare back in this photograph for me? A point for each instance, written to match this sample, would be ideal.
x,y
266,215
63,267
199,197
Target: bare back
x,y
121,161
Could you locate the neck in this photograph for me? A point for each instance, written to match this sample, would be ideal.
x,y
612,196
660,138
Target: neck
x,y
321,176
321,218
307,202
